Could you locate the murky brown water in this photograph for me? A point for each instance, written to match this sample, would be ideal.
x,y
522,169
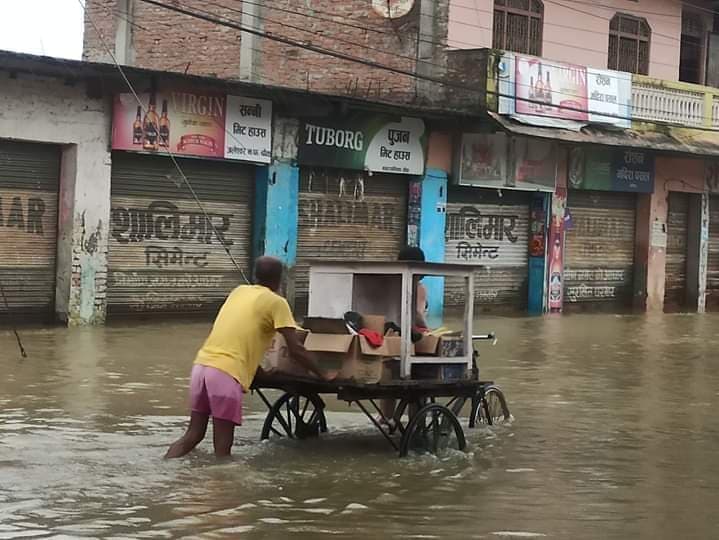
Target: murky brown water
x,y
616,436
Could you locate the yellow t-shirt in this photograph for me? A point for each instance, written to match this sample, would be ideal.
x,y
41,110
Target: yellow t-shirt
x,y
243,330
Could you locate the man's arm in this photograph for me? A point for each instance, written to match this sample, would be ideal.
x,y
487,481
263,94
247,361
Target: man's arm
x,y
298,352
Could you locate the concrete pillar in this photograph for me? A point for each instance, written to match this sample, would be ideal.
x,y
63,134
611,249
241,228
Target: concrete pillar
x,y
276,211
83,235
250,43
431,57
431,236
697,251
124,46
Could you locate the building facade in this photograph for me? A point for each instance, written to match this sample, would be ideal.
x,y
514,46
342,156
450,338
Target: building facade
x,y
408,36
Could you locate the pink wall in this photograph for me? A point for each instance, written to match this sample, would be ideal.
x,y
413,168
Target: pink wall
x,y
671,174
578,32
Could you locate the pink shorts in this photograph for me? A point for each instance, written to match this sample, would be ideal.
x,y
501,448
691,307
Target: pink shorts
x,y
215,393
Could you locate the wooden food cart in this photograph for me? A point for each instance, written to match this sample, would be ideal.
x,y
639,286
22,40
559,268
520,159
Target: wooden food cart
x,y
431,390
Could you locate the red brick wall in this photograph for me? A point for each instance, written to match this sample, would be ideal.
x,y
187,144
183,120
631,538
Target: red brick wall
x,y
167,41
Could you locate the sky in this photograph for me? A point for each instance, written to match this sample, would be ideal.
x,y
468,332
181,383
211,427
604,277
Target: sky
x,y
48,27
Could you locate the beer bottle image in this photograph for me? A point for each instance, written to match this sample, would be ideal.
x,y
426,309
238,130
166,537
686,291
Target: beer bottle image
x,y
137,127
150,127
532,93
555,277
548,90
164,126
539,89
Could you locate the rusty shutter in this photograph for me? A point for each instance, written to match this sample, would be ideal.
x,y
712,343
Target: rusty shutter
x,y
713,260
347,216
29,183
599,250
493,233
164,256
675,285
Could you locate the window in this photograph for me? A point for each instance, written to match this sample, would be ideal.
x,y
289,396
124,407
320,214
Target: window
x,y
518,26
629,44
691,51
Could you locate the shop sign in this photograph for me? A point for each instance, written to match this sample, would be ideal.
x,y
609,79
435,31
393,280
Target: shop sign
x,y
535,164
605,169
484,161
484,234
373,143
556,94
190,123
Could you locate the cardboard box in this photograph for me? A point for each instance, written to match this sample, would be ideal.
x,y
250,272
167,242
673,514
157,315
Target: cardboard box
x,y
352,357
277,357
427,346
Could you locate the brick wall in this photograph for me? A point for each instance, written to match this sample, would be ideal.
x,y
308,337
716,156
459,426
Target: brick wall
x,y
167,41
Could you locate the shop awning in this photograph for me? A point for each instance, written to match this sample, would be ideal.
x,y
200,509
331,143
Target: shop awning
x,y
660,138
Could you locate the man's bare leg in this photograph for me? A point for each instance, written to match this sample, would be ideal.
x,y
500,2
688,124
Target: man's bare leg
x,y
192,437
223,435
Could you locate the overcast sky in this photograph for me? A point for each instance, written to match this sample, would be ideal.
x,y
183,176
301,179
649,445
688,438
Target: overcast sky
x,y
50,27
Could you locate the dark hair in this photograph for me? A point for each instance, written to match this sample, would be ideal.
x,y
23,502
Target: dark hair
x,y
268,271
411,253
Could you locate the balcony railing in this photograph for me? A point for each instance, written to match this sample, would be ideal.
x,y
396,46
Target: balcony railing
x,y
677,103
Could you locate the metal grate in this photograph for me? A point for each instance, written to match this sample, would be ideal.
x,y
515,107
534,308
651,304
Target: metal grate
x,y
518,26
629,39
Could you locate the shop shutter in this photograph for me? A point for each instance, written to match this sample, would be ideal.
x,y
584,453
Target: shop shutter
x,y
675,285
348,216
713,260
599,250
29,183
164,256
493,235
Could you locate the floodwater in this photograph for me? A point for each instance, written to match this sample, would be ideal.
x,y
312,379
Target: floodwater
x,y
615,435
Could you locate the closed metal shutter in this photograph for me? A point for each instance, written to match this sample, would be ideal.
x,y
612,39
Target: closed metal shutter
x,y
713,260
164,256
347,216
599,250
675,285
493,234
29,183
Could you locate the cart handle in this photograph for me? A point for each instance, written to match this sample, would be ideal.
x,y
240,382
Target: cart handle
x,y
485,337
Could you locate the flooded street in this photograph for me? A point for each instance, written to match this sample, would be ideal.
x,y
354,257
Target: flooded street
x,y
615,436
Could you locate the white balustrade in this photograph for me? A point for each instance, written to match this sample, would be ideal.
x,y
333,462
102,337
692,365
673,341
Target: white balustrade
x,y
672,105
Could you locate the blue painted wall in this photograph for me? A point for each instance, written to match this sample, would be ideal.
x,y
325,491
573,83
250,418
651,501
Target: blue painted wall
x,y
276,212
536,301
431,236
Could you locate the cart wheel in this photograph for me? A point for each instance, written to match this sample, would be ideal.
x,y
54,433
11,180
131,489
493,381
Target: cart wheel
x,y
433,429
492,409
405,406
295,416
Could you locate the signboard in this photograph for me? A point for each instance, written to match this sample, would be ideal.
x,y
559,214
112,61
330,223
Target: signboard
x,y
483,159
555,256
205,124
554,94
606,169
535,164
373,143
550,89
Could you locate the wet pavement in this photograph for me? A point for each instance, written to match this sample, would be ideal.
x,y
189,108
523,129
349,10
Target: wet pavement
x,y
615,436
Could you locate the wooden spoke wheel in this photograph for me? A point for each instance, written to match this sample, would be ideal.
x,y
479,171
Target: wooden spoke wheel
x,y
295,416
491,408
433,429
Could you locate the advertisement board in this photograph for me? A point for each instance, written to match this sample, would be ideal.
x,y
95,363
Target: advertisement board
x,y
547,93
192,123
375,143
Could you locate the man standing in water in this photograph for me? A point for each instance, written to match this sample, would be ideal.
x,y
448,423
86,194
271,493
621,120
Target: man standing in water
x,y
228,361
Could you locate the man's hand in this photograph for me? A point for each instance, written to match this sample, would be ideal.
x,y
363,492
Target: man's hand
x,y
329,376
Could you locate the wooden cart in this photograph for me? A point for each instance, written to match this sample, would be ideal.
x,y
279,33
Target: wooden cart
x,y
427,415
